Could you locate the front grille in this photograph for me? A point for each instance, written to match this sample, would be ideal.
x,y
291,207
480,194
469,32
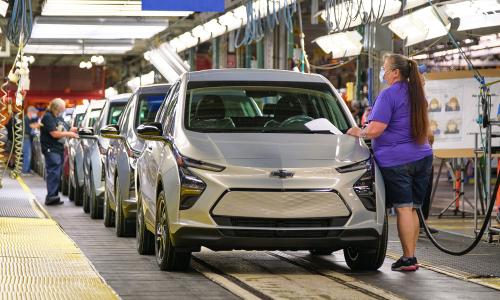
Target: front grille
x,y
280,223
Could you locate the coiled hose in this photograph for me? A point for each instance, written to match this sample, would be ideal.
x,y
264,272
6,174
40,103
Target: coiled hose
x,y
478,237
3,118
18,142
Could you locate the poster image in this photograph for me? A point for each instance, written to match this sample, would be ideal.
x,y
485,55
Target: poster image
x,y
435,105
452,104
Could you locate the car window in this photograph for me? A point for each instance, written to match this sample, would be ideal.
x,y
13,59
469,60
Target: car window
x,y
163,108
93,117
148,107
171,102
125,117
115,111
261,107
78,120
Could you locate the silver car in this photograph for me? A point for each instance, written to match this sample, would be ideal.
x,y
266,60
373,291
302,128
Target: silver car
x,y
246,159
121,157
95,148
75,159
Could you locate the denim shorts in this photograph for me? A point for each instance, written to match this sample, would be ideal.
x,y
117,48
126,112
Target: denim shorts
x,y
406,185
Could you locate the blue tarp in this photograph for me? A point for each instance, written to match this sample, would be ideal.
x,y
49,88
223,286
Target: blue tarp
x,y
184,5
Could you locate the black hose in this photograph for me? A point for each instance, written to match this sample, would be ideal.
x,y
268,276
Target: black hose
x,y
478,237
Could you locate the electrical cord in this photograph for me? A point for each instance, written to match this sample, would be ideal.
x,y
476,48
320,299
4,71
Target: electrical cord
x,y
479,235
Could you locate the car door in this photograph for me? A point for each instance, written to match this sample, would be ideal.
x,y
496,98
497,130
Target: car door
x,y
115,150
157,150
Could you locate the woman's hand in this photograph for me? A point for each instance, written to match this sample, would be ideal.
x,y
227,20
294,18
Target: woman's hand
x,y
354,131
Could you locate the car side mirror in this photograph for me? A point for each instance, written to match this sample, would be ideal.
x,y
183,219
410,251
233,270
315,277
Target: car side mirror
x,y
152,132
111,132
86,133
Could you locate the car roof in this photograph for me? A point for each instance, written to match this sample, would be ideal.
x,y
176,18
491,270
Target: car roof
x,y
120,98
254,75
80,109
97,103
154,88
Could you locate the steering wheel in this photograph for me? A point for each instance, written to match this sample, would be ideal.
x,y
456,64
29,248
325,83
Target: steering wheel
x,y
296,120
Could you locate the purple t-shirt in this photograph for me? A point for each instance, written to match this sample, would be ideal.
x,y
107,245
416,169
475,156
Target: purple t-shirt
x,y
396,146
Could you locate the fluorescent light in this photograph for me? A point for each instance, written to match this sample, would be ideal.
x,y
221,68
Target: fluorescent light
x,y
4,6
474,14
187,41
33,48
215,28
131,8
419,26
201,33
138,81
414,3
342,44
70,28
231,21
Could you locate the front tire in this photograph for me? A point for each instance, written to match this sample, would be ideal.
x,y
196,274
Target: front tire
x,y
108,213
122,228
78,197
167,256
357,260
85,200
145,240
71,193
64,185
95,210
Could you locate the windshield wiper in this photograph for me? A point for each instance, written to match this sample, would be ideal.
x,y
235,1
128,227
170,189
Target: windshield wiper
x,y
270,130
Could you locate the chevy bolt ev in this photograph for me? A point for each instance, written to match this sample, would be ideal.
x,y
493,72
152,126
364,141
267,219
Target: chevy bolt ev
x,y
218,172
91,116
95,148
74,159
121,158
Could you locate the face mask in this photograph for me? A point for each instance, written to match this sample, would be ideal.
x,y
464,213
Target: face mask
x,y
381,76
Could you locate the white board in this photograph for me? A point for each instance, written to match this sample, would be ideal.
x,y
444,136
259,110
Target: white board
x,y
453,124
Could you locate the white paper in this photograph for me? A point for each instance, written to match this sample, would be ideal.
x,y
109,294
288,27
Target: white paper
x,y
322,124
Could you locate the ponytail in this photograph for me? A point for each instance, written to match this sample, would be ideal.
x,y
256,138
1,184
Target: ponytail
x,y
419,116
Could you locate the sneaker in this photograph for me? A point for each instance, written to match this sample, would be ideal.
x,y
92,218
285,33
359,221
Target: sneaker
x,y
26,174
405,264
53,201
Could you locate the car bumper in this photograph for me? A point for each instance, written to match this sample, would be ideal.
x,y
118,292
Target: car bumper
x,y
193,238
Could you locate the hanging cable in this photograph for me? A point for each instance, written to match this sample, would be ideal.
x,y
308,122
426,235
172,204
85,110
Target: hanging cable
x,y
264,16
20,22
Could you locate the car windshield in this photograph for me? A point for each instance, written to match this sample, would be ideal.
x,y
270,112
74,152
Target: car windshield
x,y
280,107
115,111
148,107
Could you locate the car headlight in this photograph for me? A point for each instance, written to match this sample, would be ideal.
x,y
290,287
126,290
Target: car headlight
x,y
191,188
364,187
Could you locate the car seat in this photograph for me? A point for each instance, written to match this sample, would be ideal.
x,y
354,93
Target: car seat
x,y
211,113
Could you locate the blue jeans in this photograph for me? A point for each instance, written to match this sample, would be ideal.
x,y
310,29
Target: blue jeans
x,y
406,185
26,155
53,170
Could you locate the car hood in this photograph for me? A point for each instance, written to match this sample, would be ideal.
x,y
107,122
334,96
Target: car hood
x,y
273,149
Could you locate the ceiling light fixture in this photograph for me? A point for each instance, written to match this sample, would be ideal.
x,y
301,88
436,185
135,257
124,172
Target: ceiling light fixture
x,y
111,8
85,28
342,44
421,25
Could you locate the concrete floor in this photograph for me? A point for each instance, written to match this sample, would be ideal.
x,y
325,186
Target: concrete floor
x,y
265,275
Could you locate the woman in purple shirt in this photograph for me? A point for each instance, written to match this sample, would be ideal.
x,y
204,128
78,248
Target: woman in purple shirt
x,y
398,125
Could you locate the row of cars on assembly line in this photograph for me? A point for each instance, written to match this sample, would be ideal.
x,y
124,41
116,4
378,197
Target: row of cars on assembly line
x,y
230,159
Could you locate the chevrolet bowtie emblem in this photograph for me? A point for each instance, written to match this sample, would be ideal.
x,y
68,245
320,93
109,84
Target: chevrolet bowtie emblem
x,y
283,174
